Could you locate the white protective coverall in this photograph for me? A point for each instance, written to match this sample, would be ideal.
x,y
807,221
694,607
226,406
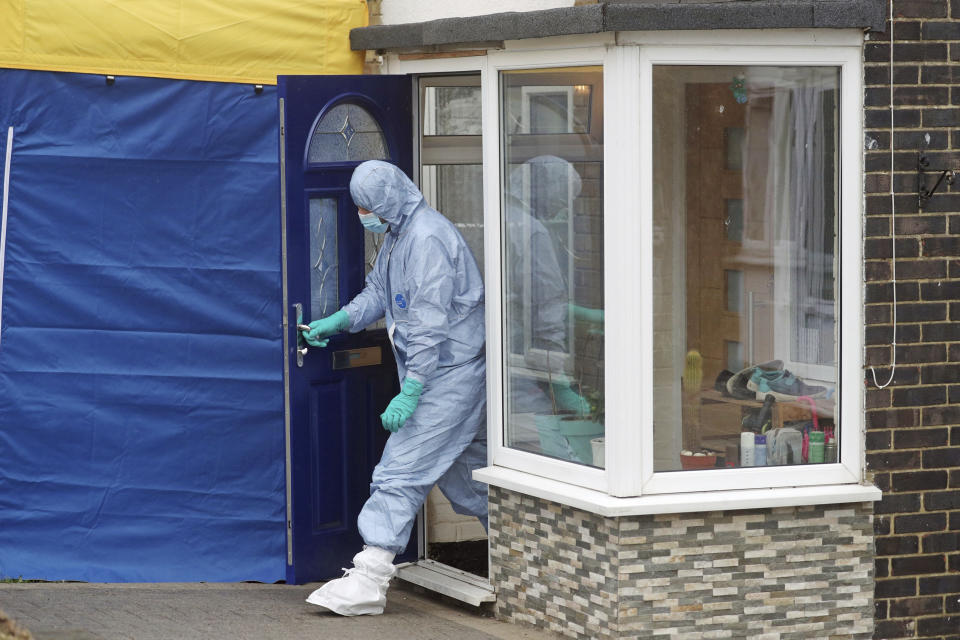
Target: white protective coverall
x,y
426,283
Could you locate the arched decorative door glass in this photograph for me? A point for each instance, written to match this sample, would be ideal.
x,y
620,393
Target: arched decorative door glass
x,y
347,133
324,266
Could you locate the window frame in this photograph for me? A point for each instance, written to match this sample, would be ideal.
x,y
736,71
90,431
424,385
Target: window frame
x,y
628,265
499,454
848,281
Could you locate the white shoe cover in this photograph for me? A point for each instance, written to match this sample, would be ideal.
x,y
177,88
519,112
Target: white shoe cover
x,y
363,589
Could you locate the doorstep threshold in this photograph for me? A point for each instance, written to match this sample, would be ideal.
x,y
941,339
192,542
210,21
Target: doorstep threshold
x,y
448,581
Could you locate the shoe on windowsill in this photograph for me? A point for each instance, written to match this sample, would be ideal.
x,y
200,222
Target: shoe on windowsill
x,y
782,385
737,384
721,382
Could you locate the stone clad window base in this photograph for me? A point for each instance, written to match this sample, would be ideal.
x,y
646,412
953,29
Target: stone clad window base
x,y
768,574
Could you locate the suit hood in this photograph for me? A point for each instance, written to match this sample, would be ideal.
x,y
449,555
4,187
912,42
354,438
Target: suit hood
x,y
384,190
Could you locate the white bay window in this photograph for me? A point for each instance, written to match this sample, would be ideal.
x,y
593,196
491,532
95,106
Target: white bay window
x,y
665,213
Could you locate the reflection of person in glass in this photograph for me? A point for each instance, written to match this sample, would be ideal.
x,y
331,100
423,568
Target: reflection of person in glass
x,y
539,307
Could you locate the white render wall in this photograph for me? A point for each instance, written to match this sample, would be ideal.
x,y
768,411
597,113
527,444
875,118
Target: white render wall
x,y
401,11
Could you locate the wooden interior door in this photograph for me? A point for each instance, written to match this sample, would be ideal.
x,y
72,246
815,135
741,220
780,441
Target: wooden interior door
x,y
728,243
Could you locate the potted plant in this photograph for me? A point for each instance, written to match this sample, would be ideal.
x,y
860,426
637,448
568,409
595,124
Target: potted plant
x,y
575,428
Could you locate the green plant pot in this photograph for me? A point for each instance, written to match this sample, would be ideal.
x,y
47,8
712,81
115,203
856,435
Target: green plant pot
x,y
552,441
567,437
579,432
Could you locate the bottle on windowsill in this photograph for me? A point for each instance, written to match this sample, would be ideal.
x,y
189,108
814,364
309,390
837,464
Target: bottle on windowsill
x,y
747,449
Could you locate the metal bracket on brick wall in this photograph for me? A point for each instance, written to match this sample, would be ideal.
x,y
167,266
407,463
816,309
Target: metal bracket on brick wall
x,y
923,167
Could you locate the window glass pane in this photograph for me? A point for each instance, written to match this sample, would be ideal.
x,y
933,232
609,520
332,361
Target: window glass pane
x,y
552,228
451,111
734,220
324,266
347,133
733,147
734,355
745,214
537,107
451,154
456,190
734,290
371,247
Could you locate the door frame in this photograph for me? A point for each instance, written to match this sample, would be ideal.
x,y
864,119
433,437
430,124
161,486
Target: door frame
x,y
285,326
416,69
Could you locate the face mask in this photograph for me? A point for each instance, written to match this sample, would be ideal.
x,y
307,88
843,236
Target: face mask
x,y
372,223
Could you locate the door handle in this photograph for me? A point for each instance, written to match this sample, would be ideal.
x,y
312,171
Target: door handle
x,y
301,343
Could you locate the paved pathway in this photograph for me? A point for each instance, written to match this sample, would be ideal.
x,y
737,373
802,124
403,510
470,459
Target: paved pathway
x,y
219,611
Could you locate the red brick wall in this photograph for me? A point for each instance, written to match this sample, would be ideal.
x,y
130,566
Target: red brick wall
x,y
913,437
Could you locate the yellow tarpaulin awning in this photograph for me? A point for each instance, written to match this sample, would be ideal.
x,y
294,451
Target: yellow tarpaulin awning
x,y
220,40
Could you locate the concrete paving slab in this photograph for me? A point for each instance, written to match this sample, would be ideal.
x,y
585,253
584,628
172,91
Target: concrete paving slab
x,y
220,611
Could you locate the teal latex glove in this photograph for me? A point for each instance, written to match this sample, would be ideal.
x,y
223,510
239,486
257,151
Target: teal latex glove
x,y
326,327
402,406
569,400
586,314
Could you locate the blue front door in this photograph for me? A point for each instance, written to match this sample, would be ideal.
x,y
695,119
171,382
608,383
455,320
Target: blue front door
x,y
329,124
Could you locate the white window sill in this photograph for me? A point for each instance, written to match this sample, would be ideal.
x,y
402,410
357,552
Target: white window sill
x,y
607,505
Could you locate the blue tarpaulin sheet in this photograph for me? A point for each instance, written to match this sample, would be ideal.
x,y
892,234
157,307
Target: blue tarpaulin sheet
x,y
141,395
